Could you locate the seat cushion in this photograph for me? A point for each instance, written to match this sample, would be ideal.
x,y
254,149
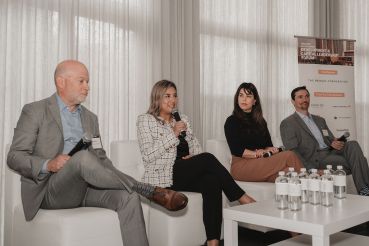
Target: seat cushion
x,y
126,157
180,228
68,227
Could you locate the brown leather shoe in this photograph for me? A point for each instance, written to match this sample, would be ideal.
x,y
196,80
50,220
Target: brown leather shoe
x,y
169,199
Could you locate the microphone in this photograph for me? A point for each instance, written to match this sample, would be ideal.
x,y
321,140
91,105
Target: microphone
x,y
178,118
270,153
344,137
267,154
84,143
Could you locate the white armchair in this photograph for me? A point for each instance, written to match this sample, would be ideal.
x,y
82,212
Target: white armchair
x,y
260,191
99,226
60,227
165,228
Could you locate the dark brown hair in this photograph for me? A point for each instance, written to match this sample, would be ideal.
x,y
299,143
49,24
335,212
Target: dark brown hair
x,y
256,112
300,88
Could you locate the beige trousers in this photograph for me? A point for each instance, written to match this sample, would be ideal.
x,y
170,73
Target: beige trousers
x,y
264,169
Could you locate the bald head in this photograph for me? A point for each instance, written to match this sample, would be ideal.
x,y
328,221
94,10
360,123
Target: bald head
x,y
72,82
64,68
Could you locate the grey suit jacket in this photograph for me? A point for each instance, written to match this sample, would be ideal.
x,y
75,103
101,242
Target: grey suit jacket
x,y
297,137
38,137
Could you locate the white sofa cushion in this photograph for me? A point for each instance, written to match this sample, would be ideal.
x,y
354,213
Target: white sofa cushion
x,y
69,227
126,156
183,227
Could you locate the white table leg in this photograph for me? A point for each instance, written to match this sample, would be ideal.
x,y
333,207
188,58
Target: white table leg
x,y
230,233
320,240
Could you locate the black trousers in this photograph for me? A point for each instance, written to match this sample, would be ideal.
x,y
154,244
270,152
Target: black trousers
x,y
203,173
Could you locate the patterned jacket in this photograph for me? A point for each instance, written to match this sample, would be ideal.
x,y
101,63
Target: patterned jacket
x,y
158,145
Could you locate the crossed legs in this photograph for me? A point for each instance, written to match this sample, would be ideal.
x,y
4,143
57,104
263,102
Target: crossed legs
x,y
128,208
85,181
352,159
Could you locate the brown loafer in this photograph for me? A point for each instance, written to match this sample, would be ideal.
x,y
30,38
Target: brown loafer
x,y
169,199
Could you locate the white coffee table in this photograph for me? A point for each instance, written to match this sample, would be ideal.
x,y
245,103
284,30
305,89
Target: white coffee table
x,y
337,239
318,221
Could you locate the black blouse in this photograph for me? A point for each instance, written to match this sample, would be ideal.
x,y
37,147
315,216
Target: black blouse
x,y
182,148
239,138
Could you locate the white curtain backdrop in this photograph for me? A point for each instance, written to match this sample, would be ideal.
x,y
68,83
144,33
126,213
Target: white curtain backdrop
x,y
250,41
354,24
127,45
208,47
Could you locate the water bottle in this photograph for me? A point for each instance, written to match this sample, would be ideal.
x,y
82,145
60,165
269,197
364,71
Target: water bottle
x,y
314,187
290,171
339,183
281,191
326,189
330,169
304,178
294,192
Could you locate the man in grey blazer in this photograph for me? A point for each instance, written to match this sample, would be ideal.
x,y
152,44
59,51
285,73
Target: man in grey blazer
x,y
51,179
310,138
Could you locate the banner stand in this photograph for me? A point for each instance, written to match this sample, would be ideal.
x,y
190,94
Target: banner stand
x,y
326,68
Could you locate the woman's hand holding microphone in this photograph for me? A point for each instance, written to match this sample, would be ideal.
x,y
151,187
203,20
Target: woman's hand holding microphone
x,y
268,151
179,127
259,153
273,150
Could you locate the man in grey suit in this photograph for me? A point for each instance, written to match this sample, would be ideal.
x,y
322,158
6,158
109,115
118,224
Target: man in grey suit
x,y
310,138
47,131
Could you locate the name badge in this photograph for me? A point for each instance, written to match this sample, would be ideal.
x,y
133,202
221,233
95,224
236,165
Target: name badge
x,y
96,143
325,132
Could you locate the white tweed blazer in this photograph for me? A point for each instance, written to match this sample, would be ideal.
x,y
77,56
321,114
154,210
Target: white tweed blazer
x,y
158,146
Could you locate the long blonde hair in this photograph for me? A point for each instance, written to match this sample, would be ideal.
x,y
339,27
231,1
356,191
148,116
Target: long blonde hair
x,y
157,93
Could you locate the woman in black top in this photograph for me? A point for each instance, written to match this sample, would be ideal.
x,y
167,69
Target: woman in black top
x,y
249,140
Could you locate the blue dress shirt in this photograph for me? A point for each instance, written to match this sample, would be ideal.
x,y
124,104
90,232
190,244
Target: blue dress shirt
x,y
72,128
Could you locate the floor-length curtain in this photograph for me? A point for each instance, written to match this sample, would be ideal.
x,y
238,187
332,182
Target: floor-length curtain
x,y
250,41
127,45
353,23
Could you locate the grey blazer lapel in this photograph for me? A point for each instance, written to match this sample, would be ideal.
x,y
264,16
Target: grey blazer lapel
x,y
302,124
86,122
55,111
